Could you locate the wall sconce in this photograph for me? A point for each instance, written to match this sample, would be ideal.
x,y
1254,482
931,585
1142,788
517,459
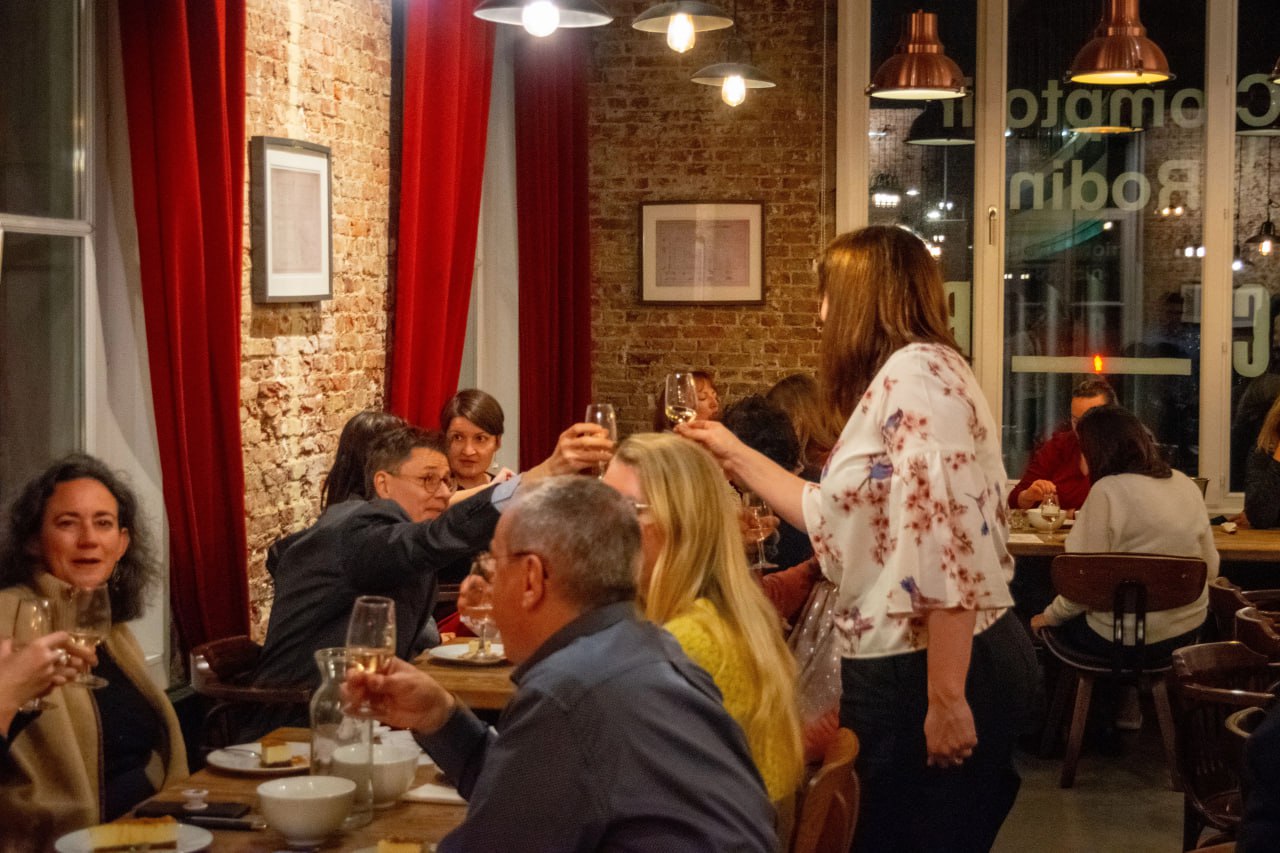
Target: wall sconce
x,y
1120,54
918,70
735,75
681,20
543,17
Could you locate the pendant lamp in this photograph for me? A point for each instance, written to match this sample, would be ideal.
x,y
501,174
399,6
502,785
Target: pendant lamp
x,y
1275,74
681,20
543,17
735,75
1120,54
919,70
932,128
1265,240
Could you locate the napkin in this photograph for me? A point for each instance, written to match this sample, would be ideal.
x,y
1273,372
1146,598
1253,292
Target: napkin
x,y
1025,538
433,792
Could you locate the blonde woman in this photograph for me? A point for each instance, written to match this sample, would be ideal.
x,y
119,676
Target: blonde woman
x,y
695,581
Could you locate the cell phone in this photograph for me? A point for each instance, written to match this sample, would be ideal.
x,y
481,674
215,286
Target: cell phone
x,y
179,810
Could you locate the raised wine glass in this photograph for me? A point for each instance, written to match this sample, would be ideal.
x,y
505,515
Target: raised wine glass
x,y
757,511
681,401
371,640
604,415
477,611
34,620
85,614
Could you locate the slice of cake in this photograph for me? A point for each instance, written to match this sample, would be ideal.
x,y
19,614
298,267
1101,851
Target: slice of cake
x,y
275,752
396,844
155,833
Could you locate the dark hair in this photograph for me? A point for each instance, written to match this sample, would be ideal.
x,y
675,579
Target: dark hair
x,y
883,292
390,450
1114,441
660,422
476,406
20,556
1094,386
763,426
346,479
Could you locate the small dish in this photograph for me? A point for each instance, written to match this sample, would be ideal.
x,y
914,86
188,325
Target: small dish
x,y
245,758
190,839
457,653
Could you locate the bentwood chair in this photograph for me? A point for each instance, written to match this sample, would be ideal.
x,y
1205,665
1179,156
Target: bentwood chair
x,y
216,667
1129,586
829,806
1225,599
1257,629
1211,682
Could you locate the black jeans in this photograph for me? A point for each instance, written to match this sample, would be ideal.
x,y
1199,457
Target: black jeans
x,y
909,806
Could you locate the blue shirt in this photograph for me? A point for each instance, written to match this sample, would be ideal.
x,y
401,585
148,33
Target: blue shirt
x,y
614,740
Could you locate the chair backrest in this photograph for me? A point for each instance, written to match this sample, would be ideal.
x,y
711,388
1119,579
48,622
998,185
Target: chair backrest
x,y
1240,726
1225,598
1257,630
829,808
1092,579
220,661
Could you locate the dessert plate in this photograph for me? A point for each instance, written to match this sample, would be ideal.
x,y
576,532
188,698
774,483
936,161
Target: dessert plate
x,y
457,653
244,758
190,839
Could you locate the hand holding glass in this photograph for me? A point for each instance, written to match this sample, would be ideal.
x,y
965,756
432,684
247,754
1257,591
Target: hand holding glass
x,y
34,620
757,510
85,614
681,401
371,639
603,415
476,611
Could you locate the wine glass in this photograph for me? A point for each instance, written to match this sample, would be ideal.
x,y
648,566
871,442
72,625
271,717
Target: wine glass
x,y
85,614
1049,511
477,612
371,640
604,415
34,620
681,400
757,510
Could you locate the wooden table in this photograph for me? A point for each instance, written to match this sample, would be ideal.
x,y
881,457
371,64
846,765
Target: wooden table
x,y
484,688
429,821
1245,546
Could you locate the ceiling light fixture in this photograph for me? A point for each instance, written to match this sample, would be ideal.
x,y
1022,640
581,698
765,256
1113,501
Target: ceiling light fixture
x,y
543,17
1275,74
1120,54
735,75
919,69
1265,240
681,20
940,124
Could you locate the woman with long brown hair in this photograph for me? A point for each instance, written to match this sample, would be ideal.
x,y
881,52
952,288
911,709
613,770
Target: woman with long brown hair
x,y
909,522
1262,474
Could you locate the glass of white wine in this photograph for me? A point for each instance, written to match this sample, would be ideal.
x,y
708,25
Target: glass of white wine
x,y
1050,511
86,616
477,612
371,640
604,415
34,620
681,401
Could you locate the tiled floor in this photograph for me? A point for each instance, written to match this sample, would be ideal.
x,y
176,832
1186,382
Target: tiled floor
x,y
1122,803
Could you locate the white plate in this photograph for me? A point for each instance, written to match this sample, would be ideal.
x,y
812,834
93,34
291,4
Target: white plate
x,y
190,839
428,846
251,765
454,652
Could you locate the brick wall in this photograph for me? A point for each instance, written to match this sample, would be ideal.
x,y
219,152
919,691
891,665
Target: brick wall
x,y
319,72
657,137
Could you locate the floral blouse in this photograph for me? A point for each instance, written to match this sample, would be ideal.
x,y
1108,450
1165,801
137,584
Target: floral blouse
x,y
910,515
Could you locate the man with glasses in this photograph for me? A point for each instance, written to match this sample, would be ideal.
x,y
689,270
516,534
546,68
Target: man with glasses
x,y
614,739
1055,467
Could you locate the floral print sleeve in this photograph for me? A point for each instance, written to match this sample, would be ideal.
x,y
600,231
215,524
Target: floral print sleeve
x,y
910,515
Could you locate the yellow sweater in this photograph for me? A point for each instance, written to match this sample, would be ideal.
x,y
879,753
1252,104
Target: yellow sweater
x,y
728,668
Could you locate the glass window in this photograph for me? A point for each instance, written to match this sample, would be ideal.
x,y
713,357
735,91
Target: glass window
x,y
921,163
1103,230
41,154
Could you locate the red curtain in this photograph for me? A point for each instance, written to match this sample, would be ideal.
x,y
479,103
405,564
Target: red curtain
x,y
447,66
184,84
555,255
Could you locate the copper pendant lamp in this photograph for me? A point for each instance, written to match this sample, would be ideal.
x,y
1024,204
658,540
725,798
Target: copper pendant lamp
x,y
919,70
1120,54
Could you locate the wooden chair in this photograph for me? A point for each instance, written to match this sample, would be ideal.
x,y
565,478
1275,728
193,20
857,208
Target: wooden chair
x,y
1211,682
1130,586
1225,598
216,666
1240,726
829,806
1257,630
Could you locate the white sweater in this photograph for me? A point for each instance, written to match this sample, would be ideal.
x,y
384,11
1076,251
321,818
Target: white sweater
x,y
1139,514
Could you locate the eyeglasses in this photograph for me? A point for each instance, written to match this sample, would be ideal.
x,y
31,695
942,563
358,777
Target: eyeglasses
x,y
429,482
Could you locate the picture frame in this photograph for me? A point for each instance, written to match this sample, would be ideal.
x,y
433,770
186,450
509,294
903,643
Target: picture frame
x,y
702,253
290,220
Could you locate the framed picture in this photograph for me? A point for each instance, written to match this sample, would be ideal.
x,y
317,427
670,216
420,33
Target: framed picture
x,y
290,231
702,253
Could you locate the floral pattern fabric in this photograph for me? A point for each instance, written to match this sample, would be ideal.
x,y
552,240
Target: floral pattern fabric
x,y
910,513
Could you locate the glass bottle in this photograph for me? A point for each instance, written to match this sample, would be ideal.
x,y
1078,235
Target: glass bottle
x,y
341,745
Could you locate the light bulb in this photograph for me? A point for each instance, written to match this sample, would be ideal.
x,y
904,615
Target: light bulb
x,y
1264,248
540,18
734,91
680,32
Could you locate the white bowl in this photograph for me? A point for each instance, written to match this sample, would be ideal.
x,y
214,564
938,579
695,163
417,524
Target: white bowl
x,y
393,769
1039,522
306,809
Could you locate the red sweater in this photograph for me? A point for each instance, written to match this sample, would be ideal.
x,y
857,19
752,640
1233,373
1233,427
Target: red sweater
x,y
1057,460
